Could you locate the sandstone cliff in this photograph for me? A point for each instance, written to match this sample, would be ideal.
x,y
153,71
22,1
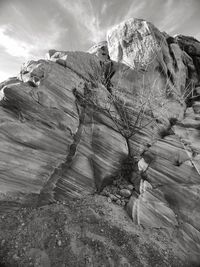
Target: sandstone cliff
x,y
68,124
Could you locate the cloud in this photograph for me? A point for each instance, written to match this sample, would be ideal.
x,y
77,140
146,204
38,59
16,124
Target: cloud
x,y
14,47
176,13
36,44
4,75
134,9
104,8
85,18
49,39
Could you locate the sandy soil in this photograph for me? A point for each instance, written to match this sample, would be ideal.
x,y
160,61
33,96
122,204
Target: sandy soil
x,y
86,232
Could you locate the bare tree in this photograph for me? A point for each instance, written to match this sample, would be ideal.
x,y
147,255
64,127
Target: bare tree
x,y
148,106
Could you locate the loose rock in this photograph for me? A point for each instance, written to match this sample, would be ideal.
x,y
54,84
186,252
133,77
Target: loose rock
x,y
125,193
118,202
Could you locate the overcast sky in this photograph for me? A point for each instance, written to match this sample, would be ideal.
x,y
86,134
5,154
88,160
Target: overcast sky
x,y
29,28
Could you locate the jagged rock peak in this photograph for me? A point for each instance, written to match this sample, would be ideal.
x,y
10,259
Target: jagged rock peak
x,y
134,41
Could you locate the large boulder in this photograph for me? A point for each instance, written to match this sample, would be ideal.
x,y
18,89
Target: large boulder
x,y
159,62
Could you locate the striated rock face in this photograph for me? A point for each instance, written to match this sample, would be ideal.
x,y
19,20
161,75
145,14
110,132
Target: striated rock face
x,y
151,209
67,124
50,144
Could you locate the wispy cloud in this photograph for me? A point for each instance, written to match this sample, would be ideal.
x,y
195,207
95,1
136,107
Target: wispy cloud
x,y
35,46
29,28
134,9
175,14
14,47
104,8
49,39
85,18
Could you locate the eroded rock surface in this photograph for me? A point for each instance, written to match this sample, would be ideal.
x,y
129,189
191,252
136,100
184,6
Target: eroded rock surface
x,y
41,121
67,124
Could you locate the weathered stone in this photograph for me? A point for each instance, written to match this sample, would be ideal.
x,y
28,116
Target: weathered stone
x,y
141,46
109,200
192,47
130,187
43,120
188,44
100,50
150,209
125,193
197,89
144,186
118,202
196,107
113,197
142,165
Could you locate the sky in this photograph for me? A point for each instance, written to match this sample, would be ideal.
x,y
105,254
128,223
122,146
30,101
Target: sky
x,y
29,28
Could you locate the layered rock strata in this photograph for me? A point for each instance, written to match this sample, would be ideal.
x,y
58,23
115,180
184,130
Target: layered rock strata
x,y
68,122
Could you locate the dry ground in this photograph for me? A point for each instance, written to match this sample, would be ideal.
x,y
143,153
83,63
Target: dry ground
x,y
86,232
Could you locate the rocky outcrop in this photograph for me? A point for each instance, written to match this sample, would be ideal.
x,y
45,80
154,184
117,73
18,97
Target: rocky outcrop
x,y
40,126
69,122
192,48
151,209
100,50
141,46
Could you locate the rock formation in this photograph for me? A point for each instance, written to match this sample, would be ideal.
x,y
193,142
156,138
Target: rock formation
x,y
68,123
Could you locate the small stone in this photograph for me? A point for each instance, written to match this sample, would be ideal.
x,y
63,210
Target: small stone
x,y
196,107
59,243
123,203
118,196
102,230
113,197
142,165
118,202
109,200
125,193
197,90
130,187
